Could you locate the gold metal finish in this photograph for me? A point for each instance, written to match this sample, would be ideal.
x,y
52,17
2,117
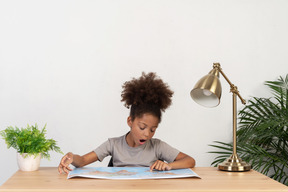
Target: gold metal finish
x,y
207,92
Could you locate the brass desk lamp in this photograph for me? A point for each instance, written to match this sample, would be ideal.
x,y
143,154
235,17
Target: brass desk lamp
x,y
207,92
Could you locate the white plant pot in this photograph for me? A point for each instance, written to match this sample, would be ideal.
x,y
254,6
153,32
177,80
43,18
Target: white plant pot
x,y
28,162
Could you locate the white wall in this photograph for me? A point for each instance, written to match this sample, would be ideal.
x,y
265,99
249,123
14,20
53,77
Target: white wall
x,y
63,63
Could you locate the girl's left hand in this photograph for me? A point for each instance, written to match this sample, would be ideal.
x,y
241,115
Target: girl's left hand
x,y
160,166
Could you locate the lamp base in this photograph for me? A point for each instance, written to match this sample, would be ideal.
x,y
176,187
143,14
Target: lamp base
x,y
234,163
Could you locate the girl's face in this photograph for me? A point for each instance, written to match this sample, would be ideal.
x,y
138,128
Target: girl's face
x,y
142,129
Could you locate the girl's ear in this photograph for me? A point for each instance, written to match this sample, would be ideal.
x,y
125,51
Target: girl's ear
x,y
129,121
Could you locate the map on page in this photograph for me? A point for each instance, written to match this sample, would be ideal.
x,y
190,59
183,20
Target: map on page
x,y
129,173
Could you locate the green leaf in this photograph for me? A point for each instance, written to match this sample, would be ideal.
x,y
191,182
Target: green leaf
x,y
29,140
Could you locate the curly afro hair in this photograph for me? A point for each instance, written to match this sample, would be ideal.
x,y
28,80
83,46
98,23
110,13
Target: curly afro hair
x,y
147,94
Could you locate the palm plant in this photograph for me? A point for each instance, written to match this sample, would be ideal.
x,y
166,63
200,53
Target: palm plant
x,y
262,137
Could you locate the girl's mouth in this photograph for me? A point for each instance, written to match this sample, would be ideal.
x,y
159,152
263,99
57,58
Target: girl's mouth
x,y
142,141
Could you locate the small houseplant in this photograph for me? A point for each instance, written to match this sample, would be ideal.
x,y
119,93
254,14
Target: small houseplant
x,y
31,145
262,137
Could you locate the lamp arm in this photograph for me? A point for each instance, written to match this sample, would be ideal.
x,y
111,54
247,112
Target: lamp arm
x,y
233,88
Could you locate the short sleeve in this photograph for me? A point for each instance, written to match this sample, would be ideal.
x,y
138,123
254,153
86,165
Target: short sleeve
x,y
165,152
103,150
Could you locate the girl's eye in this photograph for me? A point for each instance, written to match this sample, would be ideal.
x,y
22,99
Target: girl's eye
x,y
152,131
142,128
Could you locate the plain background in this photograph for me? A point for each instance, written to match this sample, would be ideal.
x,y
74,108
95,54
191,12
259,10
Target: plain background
x,y
62,63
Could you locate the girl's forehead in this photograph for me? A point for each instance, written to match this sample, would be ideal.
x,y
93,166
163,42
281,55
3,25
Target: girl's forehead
x,y
147,119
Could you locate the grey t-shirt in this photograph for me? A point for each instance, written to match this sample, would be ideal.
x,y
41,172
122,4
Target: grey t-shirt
x,y
142,156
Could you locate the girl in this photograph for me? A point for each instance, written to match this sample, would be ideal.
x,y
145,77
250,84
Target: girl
x,y
147,97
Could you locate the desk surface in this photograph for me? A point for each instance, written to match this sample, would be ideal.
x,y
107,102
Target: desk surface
x,y
47,179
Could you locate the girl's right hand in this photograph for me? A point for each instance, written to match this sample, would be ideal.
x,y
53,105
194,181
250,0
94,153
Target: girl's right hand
x,y
65,162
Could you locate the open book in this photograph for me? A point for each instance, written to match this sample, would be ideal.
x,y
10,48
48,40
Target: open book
x,y
129,173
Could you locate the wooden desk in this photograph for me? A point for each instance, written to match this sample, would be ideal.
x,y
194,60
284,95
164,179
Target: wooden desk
x,y
48,179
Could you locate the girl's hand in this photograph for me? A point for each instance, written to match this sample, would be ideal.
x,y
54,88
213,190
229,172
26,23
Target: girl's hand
x,y
160,165
65,162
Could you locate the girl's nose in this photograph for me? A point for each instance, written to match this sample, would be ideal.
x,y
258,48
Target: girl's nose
x,y
146,133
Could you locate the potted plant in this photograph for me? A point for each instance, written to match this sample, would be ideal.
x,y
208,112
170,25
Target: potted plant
x,y
262,137
31,145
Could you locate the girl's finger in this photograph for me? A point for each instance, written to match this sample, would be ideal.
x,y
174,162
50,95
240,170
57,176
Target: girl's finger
x,y
69,168
153,166
60,169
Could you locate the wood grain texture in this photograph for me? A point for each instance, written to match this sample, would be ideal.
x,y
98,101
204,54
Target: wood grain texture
x,y
47,179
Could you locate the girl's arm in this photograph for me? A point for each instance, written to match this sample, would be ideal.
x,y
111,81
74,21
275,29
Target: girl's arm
x,y
76,160
182,161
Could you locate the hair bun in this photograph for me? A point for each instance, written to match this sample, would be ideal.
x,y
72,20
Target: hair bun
x,y
147,89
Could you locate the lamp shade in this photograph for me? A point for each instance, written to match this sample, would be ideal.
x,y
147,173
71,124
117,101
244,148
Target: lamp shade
x,y
207,91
